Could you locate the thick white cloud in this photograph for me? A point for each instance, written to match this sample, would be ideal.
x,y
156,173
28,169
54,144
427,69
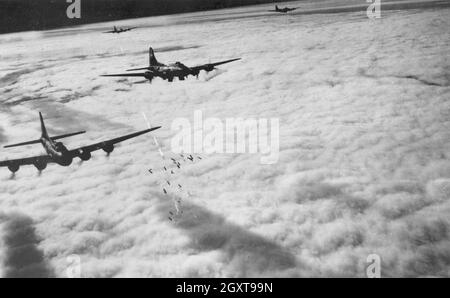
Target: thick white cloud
x,y
364,163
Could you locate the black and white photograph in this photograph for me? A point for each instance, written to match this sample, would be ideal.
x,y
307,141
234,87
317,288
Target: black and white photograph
x,y
228,139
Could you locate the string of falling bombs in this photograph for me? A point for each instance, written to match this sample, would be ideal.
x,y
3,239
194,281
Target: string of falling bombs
x,y
168,171
174,190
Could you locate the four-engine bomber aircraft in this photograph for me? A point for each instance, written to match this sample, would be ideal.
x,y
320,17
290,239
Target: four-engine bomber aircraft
x,y
282,10
59,154
169,72
120,30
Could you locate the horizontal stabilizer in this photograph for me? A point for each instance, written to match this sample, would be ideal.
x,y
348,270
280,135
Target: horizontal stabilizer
x,y
126,75
24,144
134,69
67,135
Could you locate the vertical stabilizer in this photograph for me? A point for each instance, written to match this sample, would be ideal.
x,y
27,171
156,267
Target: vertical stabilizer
x,y
43,129
152,58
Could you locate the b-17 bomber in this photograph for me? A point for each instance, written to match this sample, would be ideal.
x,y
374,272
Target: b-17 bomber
x,y
169,71
282,10
120,30
58,153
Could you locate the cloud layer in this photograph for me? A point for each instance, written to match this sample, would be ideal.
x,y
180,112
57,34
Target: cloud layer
x,y
364,160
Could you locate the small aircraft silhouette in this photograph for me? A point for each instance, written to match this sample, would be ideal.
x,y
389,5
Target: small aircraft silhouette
x,y
120,30
170,71
283,10
57,153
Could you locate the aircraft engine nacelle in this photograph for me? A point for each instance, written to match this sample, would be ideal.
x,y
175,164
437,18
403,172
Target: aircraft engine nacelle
x,y
13,168
85,155
108,148
149,76
66,161
40,165
209,68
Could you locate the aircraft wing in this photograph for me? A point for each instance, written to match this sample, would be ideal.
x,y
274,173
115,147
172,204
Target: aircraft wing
x,y
102,145
210,66
109,32
26,161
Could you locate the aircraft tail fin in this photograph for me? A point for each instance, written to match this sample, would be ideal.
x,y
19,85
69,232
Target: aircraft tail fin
x,y
43,129
276,7
44,135
152,59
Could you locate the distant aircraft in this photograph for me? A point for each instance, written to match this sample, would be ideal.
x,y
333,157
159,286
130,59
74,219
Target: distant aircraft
x,y
282,10
120,30
59,154
169,72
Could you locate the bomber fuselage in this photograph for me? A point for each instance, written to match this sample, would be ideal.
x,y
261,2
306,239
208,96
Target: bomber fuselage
x,y
57,151
170,71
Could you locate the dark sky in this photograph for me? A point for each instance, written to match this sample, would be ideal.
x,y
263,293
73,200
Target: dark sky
x,y
23,15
